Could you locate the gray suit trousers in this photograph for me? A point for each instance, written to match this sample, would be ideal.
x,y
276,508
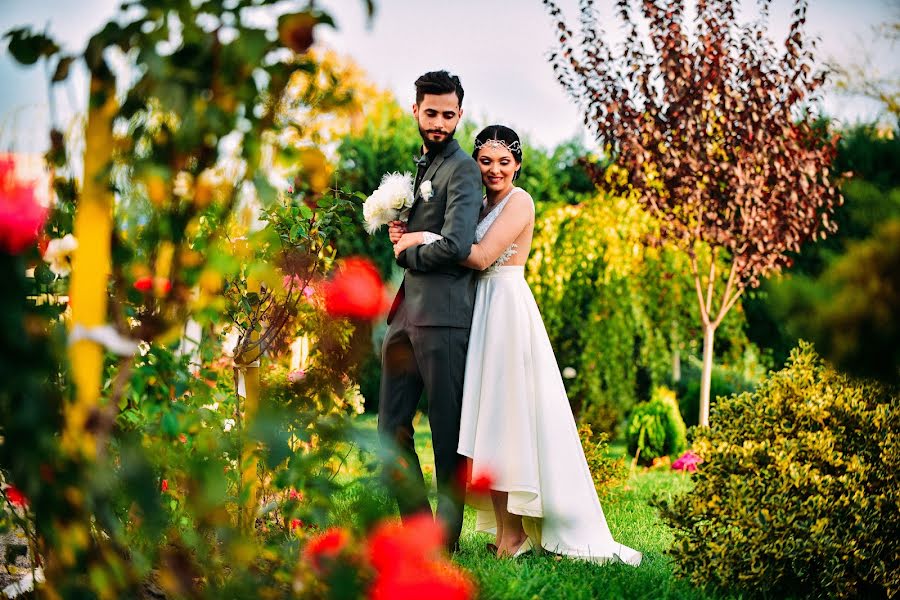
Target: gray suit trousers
x,y
432,358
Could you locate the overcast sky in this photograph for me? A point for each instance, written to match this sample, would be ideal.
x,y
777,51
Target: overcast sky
x,y
497,47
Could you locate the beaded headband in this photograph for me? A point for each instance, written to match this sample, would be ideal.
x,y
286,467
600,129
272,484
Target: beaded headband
x,y
515,147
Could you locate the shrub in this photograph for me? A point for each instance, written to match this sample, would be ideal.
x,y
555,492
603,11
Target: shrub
x,y
607,472
656,428
799,493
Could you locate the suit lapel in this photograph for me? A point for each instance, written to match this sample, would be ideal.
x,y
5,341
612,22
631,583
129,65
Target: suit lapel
x,y
429,173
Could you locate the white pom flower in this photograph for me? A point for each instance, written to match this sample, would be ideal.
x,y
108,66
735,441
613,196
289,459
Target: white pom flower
x,y
569,373
59,254
389,201
426,190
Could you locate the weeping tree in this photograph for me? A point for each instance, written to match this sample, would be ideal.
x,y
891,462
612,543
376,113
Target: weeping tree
x,y
712,121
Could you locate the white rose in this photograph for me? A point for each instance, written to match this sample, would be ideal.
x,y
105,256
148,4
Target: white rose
x,y
59,254
398,201
569,373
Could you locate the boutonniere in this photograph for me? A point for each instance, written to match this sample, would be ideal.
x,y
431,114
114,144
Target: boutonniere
x,y
425,190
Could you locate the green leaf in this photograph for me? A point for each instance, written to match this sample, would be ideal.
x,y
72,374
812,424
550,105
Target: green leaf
x,y
170,424
27,47
264,190
305,211
62,68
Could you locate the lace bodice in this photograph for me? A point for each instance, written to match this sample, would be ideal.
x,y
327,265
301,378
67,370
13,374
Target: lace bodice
x,y
477,259
485,224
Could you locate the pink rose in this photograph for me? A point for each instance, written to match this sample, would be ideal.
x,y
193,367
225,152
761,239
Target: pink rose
x,y
295,376
21,216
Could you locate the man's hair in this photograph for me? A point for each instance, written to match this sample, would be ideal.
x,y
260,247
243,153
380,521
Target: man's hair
x,y
437,83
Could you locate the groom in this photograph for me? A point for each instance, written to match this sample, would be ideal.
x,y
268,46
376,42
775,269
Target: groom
x,y
428,325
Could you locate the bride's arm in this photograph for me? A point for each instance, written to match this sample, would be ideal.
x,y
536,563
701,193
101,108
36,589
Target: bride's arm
x,y
514,218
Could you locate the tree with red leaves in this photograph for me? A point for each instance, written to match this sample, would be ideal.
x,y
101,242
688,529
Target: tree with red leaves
x,y
713,125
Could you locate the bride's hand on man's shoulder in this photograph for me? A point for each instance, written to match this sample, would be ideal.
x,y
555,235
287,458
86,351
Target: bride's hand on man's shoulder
x,y
408,240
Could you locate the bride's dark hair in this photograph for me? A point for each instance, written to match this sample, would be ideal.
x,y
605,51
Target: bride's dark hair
x,y
505,137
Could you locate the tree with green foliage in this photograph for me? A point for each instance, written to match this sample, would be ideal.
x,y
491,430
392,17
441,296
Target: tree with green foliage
x,y
618,311
709,127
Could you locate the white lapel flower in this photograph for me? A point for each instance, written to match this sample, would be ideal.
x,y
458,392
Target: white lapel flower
x,y
59,254
426,190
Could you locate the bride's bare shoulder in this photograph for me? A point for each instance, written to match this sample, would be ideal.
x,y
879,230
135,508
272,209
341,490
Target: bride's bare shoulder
x,y
521,198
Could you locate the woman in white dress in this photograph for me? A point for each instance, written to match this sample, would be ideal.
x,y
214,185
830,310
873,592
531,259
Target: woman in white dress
x,y
517,424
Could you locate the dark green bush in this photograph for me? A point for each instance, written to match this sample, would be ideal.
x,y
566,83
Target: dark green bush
x,y
656,428
799,491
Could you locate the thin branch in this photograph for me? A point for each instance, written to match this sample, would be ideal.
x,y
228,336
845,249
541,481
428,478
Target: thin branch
x,y
712,277
704,313
728,302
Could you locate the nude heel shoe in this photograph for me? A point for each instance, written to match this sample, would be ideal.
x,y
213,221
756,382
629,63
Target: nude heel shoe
x,y
526,547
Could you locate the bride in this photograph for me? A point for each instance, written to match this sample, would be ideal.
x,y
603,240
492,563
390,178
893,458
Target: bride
x,y
517,424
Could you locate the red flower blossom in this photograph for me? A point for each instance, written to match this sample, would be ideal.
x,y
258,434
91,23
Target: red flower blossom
x,y
482,484
325,547
295,523
21,216
440,581
409,563
182,438
393,545
15,496
148,284
144,284
295,495
165,485
356,291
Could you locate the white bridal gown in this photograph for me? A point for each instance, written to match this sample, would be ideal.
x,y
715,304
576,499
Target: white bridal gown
x,y
517,424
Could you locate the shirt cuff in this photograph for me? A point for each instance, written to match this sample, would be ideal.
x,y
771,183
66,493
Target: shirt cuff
x,y
430,238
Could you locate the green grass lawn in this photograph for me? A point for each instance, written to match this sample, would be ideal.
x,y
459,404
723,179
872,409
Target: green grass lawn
x,y
632,520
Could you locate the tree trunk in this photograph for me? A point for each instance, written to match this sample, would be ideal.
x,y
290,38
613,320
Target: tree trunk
x,y
676,354
709,332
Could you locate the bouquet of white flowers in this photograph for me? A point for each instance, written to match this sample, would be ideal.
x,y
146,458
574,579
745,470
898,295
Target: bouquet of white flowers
x,y
390,202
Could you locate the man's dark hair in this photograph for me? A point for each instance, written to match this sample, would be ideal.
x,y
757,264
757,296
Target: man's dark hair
x,y
437,83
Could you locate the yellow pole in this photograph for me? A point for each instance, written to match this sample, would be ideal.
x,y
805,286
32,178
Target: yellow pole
x,y
91,266
249,474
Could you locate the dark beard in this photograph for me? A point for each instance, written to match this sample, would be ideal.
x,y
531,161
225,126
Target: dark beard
x,y
431,146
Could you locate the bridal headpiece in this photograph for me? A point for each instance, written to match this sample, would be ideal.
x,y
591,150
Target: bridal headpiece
x,y
515,147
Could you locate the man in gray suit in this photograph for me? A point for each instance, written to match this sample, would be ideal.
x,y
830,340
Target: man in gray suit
x,y
428,325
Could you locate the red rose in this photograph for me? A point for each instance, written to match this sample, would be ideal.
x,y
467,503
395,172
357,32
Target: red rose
x,y
165,485
355,291
21,216
15,496
325,547
482,484
144,284
147,284
409,563
394,545
295,523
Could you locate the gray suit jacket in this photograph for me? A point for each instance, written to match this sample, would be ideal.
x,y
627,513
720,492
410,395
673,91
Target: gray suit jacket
x,y
436,290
